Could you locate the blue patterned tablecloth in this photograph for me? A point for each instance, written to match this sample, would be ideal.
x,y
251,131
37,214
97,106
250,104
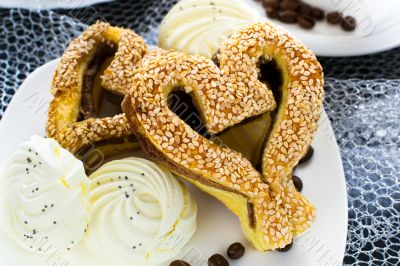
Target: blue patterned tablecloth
x,y
362,102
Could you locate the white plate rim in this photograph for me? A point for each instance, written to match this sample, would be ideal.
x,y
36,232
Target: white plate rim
x,y
43,4
325,125
346,45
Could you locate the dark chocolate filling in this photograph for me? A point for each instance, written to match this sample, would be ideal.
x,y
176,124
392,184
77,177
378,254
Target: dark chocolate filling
x,y
106,142
271,75
103,51
109,104
87,153
252,219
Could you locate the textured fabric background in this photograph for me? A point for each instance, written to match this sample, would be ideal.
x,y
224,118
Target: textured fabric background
x,y
362,101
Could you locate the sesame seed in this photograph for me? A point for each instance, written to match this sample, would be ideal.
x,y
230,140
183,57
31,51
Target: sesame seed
x,y
229,94
131,48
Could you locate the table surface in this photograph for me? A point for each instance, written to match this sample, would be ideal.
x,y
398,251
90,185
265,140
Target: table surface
x,y
362,101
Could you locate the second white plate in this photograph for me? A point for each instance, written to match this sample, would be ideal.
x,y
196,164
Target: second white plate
x,y
378,28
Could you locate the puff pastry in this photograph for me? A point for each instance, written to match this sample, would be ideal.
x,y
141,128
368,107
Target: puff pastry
x,y
270,209
72,118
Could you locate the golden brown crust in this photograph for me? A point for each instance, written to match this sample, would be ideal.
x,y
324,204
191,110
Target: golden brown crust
x,y
219,93
222,96
160,157
67,87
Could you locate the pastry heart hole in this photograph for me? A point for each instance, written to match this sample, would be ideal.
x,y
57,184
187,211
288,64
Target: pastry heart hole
x,y
181,103
255,130
271,74
247,137
97,102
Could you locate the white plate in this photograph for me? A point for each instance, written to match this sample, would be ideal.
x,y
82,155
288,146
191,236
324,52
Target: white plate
x,y
49,4
323,177
378,29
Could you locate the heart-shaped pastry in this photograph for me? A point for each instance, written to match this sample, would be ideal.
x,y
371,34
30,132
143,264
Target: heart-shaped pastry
x,y
270,209
76,119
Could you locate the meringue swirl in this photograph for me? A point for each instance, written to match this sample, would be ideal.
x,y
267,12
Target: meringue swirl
x,y
141,215
198,27
44,196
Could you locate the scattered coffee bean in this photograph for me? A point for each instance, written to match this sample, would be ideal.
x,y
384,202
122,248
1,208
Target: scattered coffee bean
x,y
297,183
308,155
179,263
305,9
217,260
288,16
317,13
349,23
271,3
306,22
272,12
236,251
334,18
289,5
286,248
297,11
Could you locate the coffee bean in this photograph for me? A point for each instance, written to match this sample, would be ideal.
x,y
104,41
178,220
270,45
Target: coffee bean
x,y
308,155
289,5
271,3
334,18
272,12
306,22
217,260
297,183
317,13
305,10
288,16
236,251
179,263
286,248
349,23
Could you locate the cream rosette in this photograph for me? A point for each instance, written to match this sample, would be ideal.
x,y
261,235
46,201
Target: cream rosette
x,y
44,199
141,215
200,26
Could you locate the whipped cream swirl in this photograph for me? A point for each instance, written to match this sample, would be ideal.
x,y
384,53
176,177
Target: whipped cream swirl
x,y
200,26
44,196
141,215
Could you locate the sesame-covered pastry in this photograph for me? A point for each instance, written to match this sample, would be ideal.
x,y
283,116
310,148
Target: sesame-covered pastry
x,y
270,209
82,78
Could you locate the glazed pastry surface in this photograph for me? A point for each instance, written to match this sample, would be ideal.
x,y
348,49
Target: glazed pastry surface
x,y
70,80
270,209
